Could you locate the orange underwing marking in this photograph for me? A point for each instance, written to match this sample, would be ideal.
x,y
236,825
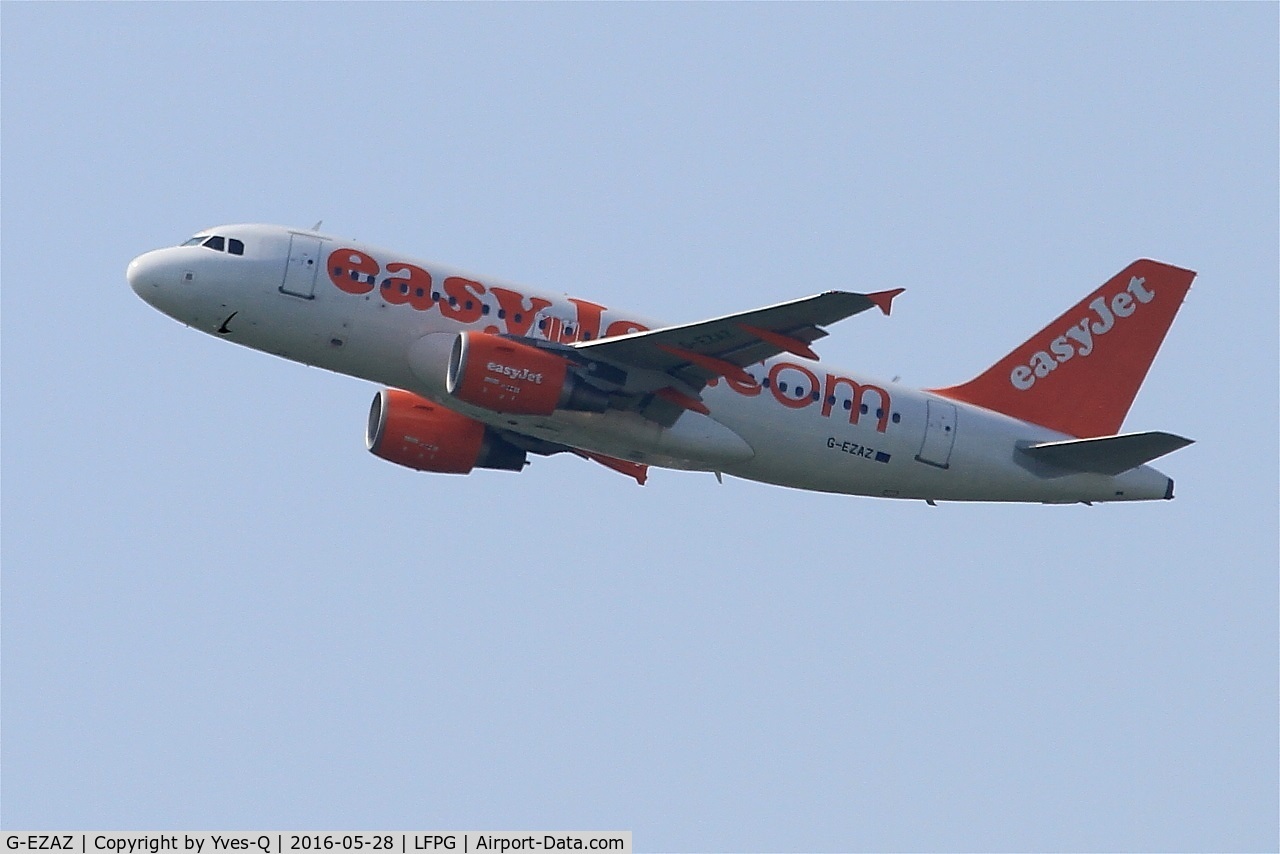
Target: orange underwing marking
x,y
883,300
719,367
681,399
783,342
630,469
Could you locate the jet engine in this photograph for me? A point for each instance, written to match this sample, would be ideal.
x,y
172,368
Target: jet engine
x,y
411,431
506,376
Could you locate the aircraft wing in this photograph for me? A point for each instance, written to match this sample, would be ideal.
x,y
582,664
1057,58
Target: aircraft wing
x,y
736,339
676,362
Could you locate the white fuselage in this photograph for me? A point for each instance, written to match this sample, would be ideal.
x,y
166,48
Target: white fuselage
x,y
801,425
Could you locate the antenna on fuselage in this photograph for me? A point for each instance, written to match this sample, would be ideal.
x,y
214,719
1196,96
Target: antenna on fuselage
x,y
319,223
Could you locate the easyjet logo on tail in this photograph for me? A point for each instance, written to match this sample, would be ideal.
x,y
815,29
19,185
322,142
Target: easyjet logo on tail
x,y
1081,338
1092,397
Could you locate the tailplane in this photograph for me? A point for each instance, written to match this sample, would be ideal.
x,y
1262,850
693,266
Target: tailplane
x,y
1106,454
1080,374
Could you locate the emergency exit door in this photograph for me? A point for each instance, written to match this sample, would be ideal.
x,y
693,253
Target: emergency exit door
x,y
939,434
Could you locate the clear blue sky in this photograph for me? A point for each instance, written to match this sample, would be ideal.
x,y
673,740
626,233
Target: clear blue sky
x,y
219,611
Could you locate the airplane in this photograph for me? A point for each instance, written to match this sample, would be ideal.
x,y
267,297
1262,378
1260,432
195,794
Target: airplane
x,y
480,373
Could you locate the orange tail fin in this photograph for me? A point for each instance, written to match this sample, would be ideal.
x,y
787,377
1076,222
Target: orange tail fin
x,y
1080,374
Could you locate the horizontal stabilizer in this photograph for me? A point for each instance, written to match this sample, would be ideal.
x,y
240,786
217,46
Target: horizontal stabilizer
x,y
1106,454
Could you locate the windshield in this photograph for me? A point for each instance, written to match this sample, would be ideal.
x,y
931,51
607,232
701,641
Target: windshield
x,y
217,243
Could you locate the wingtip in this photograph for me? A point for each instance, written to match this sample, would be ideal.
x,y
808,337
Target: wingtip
x,y
883,300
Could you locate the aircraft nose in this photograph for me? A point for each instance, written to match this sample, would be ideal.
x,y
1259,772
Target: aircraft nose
x,y
144,275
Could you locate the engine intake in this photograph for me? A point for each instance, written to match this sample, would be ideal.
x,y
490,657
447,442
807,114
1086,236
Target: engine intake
x,y
506,376
414,432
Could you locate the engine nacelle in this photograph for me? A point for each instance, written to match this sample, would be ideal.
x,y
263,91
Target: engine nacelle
x,y
506,376
411,431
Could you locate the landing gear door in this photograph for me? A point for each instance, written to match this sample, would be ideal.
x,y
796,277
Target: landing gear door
x,y
304,263
939,434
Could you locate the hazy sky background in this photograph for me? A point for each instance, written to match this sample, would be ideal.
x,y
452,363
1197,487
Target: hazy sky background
x,y
219,611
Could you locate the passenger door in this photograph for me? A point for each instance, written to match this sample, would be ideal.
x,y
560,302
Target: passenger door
x,y
304,263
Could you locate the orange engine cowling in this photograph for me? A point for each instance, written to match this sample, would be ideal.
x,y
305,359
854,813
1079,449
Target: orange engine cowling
x,y
411,431
507,376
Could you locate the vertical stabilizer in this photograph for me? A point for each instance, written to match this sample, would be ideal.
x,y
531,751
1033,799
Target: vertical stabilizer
x,y
1080,374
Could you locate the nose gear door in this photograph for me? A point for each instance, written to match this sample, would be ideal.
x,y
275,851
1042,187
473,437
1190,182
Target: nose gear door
x,y
304,262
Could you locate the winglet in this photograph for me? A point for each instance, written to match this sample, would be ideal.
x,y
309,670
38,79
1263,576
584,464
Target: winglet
x,y
883,300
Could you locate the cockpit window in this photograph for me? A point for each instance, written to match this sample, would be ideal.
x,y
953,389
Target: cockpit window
x,y
217,243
